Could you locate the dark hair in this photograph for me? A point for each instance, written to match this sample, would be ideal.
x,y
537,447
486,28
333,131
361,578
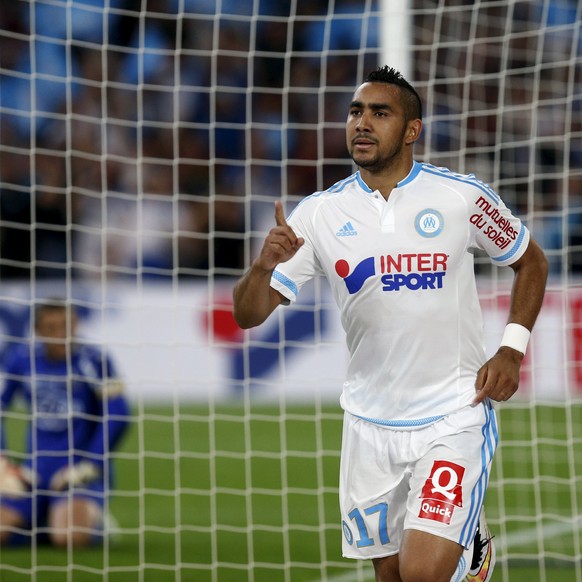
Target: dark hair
x,y
410,98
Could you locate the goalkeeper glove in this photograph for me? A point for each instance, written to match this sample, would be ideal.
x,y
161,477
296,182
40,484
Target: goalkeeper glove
x,y
15,480
77,475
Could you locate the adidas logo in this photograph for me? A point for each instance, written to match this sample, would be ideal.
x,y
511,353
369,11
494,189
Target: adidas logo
x,y
347,230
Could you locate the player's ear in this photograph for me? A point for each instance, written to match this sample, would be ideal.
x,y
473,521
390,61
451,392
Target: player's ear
x,y
413,131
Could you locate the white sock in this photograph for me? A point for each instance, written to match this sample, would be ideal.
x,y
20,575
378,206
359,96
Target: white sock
x,y
464,565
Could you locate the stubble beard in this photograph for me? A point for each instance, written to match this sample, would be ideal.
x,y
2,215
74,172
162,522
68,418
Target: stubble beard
x,y
379,163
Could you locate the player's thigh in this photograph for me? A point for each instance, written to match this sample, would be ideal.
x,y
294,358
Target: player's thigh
x,y
440,557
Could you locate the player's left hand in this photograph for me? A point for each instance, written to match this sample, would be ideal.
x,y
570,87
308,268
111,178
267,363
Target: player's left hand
x,y
77,475
498,378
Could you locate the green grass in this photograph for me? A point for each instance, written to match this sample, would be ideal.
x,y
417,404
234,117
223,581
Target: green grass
x,y
237,494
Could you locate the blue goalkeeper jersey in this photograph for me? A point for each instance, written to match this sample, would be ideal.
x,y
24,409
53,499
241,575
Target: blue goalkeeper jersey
x,y
77,408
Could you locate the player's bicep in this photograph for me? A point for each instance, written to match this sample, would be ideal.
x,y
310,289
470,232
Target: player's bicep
x,y
533,255
277,298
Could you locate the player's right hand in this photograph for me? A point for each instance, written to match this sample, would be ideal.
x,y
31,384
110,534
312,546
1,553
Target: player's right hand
x,y
280,244
15,480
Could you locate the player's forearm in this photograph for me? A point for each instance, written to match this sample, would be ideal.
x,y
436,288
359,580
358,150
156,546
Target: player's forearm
x,y
253,298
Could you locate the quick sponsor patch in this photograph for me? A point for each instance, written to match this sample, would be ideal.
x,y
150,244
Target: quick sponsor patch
x,y
442,492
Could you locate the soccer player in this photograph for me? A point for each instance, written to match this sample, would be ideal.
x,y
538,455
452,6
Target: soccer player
x,y
396,242
78,415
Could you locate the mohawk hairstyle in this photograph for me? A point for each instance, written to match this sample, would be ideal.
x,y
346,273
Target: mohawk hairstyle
x,y
410,98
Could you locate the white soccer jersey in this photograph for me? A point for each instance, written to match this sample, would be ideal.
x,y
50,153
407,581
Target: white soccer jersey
x,y
402,274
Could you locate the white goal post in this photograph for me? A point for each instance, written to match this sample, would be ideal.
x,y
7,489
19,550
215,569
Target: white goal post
x,y
142,146
395,37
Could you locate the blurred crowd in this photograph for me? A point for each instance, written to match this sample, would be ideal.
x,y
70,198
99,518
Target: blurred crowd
x,y
152,143
520,130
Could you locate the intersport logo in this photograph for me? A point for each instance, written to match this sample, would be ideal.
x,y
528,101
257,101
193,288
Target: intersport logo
x,y
413,271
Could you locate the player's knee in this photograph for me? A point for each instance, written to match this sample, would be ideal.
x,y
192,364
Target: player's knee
x,y
74,524
386,569
10,522
393,569
73,538
422,571
5,536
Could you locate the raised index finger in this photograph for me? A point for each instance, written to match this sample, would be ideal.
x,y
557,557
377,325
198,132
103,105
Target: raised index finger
x,y
279,214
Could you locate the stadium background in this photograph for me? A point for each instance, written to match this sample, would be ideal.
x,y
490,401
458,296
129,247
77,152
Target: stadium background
x,y
142,145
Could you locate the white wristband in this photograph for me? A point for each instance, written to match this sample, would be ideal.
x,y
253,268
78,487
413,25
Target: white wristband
x,y
516,336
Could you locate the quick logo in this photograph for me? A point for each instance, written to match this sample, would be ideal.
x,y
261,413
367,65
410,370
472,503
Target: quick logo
x,y
413,271
442,492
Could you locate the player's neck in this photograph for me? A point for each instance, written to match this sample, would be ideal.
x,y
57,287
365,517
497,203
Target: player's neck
x,y
385,180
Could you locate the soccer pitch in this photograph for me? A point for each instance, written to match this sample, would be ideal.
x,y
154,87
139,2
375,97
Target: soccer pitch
x,y
232,494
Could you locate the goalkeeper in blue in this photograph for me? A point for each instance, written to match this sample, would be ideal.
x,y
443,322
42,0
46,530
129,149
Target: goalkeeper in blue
x,y
396,241
78,414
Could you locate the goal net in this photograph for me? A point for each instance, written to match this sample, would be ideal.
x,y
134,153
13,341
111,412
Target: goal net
x,y
142,147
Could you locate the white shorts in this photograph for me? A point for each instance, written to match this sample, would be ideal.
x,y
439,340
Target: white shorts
x,y
431,479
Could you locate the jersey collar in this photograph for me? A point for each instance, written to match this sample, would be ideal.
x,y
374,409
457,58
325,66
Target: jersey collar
x,y
415,170
363,184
